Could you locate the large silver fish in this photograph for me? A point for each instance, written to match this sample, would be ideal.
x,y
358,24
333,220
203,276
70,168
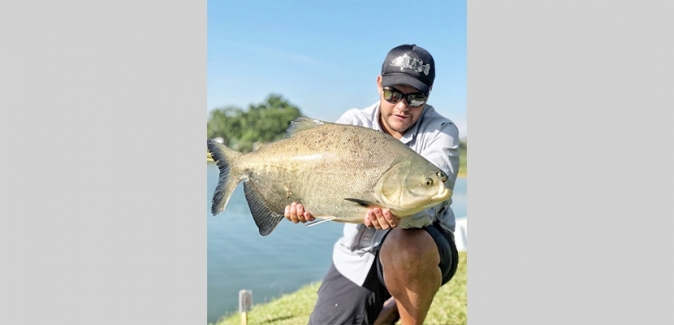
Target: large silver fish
x,y
336,171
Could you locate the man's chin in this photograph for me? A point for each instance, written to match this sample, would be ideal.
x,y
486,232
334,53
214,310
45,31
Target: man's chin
x,y
400,126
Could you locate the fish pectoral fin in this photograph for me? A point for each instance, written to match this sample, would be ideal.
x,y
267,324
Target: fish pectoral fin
x,y
364,203
323,219
265,218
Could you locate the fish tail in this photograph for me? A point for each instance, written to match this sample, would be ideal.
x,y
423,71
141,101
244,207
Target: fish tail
x,y
224,158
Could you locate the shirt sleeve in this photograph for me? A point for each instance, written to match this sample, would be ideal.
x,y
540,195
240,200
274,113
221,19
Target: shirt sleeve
x,y
443,151
351,117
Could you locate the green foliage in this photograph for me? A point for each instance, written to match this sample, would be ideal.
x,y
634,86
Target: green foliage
x,y
265,122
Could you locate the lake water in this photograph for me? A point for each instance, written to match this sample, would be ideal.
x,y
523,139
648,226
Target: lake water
x,y
288,258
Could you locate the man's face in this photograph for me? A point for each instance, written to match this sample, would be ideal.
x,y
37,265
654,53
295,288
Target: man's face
x,y
397,118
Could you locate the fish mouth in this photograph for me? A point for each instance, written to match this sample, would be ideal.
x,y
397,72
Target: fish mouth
x,y
443,194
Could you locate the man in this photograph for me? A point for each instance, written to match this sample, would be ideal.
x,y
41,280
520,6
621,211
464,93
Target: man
x,y
388,267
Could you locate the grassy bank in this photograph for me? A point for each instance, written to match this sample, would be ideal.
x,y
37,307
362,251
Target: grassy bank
x,y
449,306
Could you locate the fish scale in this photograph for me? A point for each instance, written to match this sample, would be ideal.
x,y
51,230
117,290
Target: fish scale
x,y
336,171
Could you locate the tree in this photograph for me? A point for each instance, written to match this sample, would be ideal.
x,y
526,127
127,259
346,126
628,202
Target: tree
x,y
265,122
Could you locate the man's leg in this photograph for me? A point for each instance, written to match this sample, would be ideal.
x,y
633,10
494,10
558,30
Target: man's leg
x,y
410,260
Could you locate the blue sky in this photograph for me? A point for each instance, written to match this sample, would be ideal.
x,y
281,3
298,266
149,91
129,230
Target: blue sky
x,y
324,57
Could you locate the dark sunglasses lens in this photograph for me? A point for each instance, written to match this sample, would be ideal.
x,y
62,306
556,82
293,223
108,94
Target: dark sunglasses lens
x,y
392,96
416,100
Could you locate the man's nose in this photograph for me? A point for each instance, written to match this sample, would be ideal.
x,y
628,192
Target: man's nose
x,y
403,105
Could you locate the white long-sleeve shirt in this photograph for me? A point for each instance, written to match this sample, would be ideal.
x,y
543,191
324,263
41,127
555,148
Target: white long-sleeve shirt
x,y
434,137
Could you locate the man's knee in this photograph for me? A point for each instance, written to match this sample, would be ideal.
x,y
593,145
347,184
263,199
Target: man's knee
x,y
409,249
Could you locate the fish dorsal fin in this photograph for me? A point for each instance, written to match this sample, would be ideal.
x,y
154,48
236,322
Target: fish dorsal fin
x,y
257,146
302,123
265,219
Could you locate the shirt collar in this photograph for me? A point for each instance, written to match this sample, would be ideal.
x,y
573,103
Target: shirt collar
x,y
410,134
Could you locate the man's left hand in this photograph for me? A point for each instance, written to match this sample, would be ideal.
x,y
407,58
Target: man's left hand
x,y
380,219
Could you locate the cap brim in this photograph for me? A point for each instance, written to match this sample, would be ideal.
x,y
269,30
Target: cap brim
x,y
404,79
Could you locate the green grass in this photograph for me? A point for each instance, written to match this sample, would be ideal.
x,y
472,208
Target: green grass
x,y
449,306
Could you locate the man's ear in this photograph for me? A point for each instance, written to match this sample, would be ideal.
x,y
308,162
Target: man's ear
x,y
379,84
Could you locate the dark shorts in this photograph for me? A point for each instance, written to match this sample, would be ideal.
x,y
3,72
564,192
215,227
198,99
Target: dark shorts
x,y
341,301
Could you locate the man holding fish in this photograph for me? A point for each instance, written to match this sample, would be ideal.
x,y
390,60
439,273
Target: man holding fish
x,y
388,267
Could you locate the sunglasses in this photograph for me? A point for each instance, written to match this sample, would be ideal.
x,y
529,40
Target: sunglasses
x,y
394,96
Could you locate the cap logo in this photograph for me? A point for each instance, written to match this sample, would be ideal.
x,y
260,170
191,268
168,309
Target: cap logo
x,y
405,61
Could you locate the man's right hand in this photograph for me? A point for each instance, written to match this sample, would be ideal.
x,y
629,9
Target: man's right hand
x,y
295,213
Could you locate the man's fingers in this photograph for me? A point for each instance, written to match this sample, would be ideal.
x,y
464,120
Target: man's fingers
x,y
308,216
286,213
300,213
295,213
372,216
366,221
378,218
383,223
291,213
392,221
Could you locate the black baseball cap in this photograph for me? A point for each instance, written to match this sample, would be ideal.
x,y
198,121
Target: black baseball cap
x,y
408,65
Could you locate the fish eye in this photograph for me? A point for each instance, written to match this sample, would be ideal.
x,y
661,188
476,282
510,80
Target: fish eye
x,y
429,181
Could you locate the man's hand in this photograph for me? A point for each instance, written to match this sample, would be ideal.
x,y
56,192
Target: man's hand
x,y
295,213
380,219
